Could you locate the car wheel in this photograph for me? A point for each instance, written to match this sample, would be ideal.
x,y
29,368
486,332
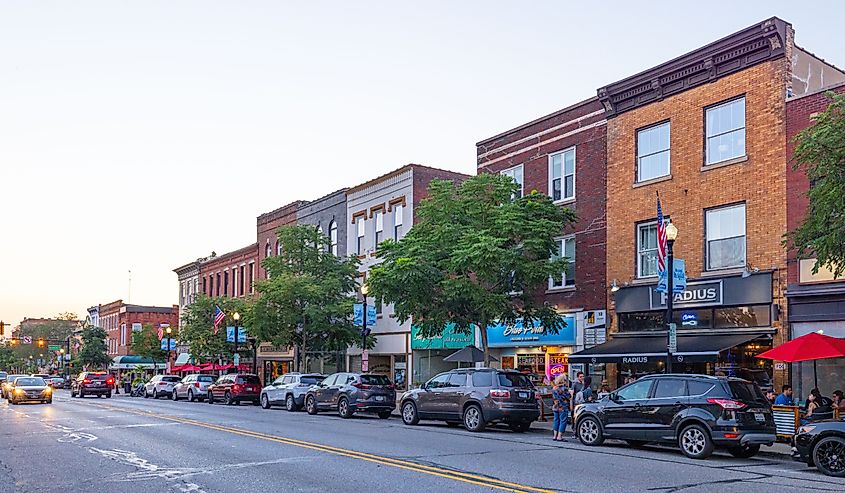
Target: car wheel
x,y
146,394
384,414
210,398
49,401
343,408
695,442
590,432
190,395
290,403
311,405
174,395
227,398
473,419
744,451
265,402
829,456
108,396
409,413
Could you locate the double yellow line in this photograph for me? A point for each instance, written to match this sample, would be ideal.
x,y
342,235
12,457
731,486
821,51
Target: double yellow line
x,y
464,477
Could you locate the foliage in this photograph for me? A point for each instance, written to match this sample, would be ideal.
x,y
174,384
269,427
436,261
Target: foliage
x,y
70,316
476,255
92,353
307,300
9,358
197,330
820,149
145,343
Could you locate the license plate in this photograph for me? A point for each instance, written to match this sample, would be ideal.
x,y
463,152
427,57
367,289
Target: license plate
x,y
97,384
379,398
249,389
523,395
760,417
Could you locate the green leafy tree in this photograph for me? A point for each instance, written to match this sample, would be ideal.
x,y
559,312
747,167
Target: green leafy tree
x,y
820,150
197,330
145,343
307,301
9,358
476,255
92,352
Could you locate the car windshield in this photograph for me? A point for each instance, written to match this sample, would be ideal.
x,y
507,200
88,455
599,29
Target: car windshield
x,y
306,380
171,379
249,379
514,380
12,378
375,380
97,376
30,382
205,378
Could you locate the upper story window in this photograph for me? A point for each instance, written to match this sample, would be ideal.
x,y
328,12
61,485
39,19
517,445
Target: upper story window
x,y
268,250
647,249
516,174
278,248
725,131
379,217
565,248
333,237
398,210
361,224
251,277
562,175
725,237
653,152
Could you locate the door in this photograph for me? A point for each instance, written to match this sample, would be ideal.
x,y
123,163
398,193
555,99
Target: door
x,y
427,399
151,385
450,399
274,390
322,393
669,397
220,387
622,418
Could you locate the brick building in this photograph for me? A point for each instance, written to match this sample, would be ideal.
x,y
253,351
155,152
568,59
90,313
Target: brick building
x,y
707,131
816,301
563,155
266,226
120,320
231,274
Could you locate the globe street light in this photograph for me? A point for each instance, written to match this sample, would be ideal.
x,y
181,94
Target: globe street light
x,y
671,235
169,331
236,317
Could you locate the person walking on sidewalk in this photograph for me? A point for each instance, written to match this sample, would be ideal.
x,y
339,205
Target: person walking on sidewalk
x,y
560,408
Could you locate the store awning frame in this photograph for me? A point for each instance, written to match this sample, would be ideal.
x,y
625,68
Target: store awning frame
x,y
646,349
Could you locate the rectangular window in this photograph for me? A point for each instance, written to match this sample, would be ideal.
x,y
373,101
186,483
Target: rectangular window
x,y
565,248
725,124
725,233
204,285
379,227
562,175
226,283
217,283
647,250
653,152
333,237
241,281
122,334
251,277
398,210
136,327
361,223
516,174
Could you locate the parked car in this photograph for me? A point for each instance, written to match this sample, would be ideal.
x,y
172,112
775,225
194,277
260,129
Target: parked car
x,y
696,412
161,386
474,397
192,387
55,381
290,390
92,383
28,389
234,388
10,380
822,444
348,393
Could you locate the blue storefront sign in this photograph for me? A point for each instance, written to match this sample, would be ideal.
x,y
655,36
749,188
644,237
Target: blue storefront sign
x,y
519,335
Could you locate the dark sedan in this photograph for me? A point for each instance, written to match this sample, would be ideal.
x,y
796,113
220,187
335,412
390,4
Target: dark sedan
x,y
822,444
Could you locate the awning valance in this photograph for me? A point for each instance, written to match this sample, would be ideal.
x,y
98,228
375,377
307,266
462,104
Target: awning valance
x,y
646,349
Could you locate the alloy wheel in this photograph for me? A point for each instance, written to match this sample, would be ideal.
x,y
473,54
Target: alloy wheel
x,y
409,413
472,419
265,402
829,456
693,441
588,431
290,404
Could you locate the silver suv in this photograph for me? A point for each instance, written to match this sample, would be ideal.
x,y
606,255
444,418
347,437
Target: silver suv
x,y
192,387
290,390
475,397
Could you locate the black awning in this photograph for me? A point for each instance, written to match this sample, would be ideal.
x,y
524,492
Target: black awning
x,y
646,349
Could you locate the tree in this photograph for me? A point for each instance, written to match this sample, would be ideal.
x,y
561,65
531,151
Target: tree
x,y
9,358
476,255
820,149
145,343
307,301
92,352
197,330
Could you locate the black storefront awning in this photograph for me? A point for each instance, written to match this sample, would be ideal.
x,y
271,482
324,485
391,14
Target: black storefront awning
x,y
646,349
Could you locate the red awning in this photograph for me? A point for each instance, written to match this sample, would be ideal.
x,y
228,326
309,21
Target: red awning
x,y
807,347
177,368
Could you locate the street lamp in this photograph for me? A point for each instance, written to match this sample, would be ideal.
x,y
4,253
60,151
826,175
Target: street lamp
x,y
169,331
236,317
62,356
365,289
671,235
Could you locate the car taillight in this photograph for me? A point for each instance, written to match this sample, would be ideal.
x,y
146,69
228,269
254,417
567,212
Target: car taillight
x,y
162,383
727,403
236,388
196,385
500,394
86,381
110,381
361,386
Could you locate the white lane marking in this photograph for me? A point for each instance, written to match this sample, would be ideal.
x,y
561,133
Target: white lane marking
x,y
139,425
148,470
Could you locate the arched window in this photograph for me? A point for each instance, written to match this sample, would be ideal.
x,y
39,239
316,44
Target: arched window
x,y
268,250
333,237
278,248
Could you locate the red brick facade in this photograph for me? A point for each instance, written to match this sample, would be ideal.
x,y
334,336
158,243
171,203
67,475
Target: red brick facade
x,y
120,320
266,226
232,274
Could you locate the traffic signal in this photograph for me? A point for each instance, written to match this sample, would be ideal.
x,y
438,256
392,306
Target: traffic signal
x,y
13,342
41,342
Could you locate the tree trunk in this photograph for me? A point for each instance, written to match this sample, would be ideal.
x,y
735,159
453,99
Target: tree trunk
x,y
484,346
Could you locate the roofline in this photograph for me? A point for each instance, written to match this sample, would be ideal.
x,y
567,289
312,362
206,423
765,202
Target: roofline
x,y
538,120
295,205
831,87
231,254
399,171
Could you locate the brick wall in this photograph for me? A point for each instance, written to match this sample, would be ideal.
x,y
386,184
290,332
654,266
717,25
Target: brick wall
x,y
266,226
422,176
215,268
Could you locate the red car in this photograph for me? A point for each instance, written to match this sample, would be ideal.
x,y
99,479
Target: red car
x,y
234,388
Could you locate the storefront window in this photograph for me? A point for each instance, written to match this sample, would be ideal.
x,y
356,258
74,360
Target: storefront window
x,y
743,316
698,318
274,369
640,321
508,362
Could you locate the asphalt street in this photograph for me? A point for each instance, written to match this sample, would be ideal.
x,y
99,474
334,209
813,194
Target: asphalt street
x,y
128,444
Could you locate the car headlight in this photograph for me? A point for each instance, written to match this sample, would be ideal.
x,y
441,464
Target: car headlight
x,y
806,429
19,391
48,390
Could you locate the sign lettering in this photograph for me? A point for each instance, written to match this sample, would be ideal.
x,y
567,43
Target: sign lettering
x,y
696,294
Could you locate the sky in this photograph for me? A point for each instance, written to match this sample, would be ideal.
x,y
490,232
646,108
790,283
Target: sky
x,y
142,135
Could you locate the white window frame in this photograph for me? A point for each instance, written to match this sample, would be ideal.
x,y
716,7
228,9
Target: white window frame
x,y
510,173
360,235
707,239
378,218
561,242
668,151
333,237
640,226
563,198
398,219
252,277
707,137
122,334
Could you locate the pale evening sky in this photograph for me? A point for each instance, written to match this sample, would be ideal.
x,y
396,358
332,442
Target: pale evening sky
x,y
142,135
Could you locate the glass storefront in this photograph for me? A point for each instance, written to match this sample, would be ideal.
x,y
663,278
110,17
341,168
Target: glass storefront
x,y
275,368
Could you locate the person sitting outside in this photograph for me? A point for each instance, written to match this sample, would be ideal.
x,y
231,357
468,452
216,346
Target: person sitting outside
x,y
785,397
838,400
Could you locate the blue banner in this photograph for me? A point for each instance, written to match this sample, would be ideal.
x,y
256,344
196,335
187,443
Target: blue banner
x,y
679,278
358,315
230,334
516,335
172,344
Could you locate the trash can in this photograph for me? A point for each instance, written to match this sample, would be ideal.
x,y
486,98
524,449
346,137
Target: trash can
x,y
127,387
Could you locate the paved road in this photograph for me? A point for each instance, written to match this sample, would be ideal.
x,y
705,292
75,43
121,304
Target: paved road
x,y
142,445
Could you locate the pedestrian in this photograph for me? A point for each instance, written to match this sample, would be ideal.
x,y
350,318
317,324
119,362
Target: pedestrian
x,y
578,386
586,392
771,396
560,408
117,385
785,397
604,390
838,400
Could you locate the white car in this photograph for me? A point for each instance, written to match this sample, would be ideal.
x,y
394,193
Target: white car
x,y
161,386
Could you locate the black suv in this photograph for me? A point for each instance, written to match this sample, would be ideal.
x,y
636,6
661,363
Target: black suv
x,y
474,397
92,383
349,393
698,412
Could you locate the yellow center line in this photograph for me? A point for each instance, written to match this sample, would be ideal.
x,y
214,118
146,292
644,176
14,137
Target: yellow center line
x,y
397,463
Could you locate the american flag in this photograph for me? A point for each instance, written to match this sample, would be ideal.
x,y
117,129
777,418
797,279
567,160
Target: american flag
x,y
160,332
218,317
661,239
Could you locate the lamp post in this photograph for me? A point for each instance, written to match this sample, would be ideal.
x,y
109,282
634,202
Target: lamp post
x,y
62,356
671,235
236,317
169,331
364,291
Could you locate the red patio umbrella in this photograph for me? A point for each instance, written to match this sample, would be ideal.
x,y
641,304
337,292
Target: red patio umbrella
x,y
178,368
813,346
